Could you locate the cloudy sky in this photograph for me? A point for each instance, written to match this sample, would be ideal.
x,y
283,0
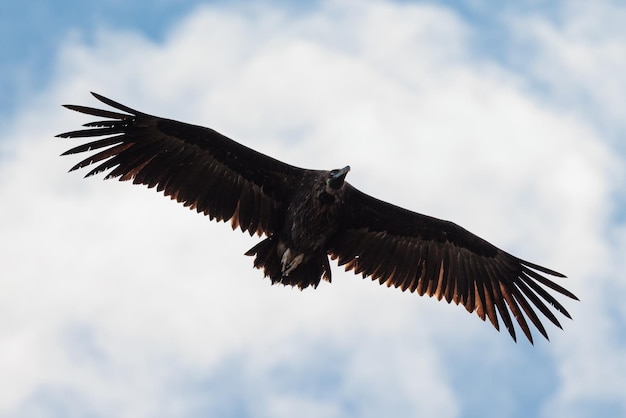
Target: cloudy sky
x,y
117,302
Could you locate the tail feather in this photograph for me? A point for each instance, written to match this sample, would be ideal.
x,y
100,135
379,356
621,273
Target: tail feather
x,y
267,258
308,273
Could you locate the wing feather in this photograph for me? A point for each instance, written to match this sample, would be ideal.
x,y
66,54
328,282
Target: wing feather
x,y
500,297
437,258
197,166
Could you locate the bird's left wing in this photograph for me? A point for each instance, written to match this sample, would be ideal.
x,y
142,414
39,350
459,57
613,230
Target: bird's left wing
x,y
197,166
438,258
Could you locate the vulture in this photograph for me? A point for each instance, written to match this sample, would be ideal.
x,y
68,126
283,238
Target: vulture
x,y
308,216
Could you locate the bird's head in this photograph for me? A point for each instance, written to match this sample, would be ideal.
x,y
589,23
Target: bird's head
x,y
336,179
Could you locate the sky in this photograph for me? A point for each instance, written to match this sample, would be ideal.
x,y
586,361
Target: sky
x,y
506,119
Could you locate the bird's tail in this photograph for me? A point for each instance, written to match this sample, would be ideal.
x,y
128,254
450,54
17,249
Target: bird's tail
x,y
308,273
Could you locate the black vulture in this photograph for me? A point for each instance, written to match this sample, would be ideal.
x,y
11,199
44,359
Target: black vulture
x,y
309,215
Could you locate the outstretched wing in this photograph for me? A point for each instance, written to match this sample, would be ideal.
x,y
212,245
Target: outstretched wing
x,y
438,258
197,166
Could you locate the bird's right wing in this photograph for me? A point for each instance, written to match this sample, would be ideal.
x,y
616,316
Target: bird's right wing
x,y
438,258
197,166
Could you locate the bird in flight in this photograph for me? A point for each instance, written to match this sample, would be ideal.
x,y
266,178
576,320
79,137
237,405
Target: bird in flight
x,y
308,216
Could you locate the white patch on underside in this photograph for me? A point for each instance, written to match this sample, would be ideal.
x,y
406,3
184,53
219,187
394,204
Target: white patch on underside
x,y
289,262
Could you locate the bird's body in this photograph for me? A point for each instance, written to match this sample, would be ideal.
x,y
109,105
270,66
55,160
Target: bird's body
x,y
311,215
298,254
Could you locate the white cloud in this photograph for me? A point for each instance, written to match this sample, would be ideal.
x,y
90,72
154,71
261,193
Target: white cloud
x,y
115,298
580,58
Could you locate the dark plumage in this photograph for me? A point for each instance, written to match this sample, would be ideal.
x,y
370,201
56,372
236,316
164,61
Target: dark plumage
x,y
308,215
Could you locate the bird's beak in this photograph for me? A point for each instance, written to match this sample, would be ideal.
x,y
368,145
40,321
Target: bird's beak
x,y
336,181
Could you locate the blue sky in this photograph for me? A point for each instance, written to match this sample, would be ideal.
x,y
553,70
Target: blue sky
x,y
118,302
41,26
